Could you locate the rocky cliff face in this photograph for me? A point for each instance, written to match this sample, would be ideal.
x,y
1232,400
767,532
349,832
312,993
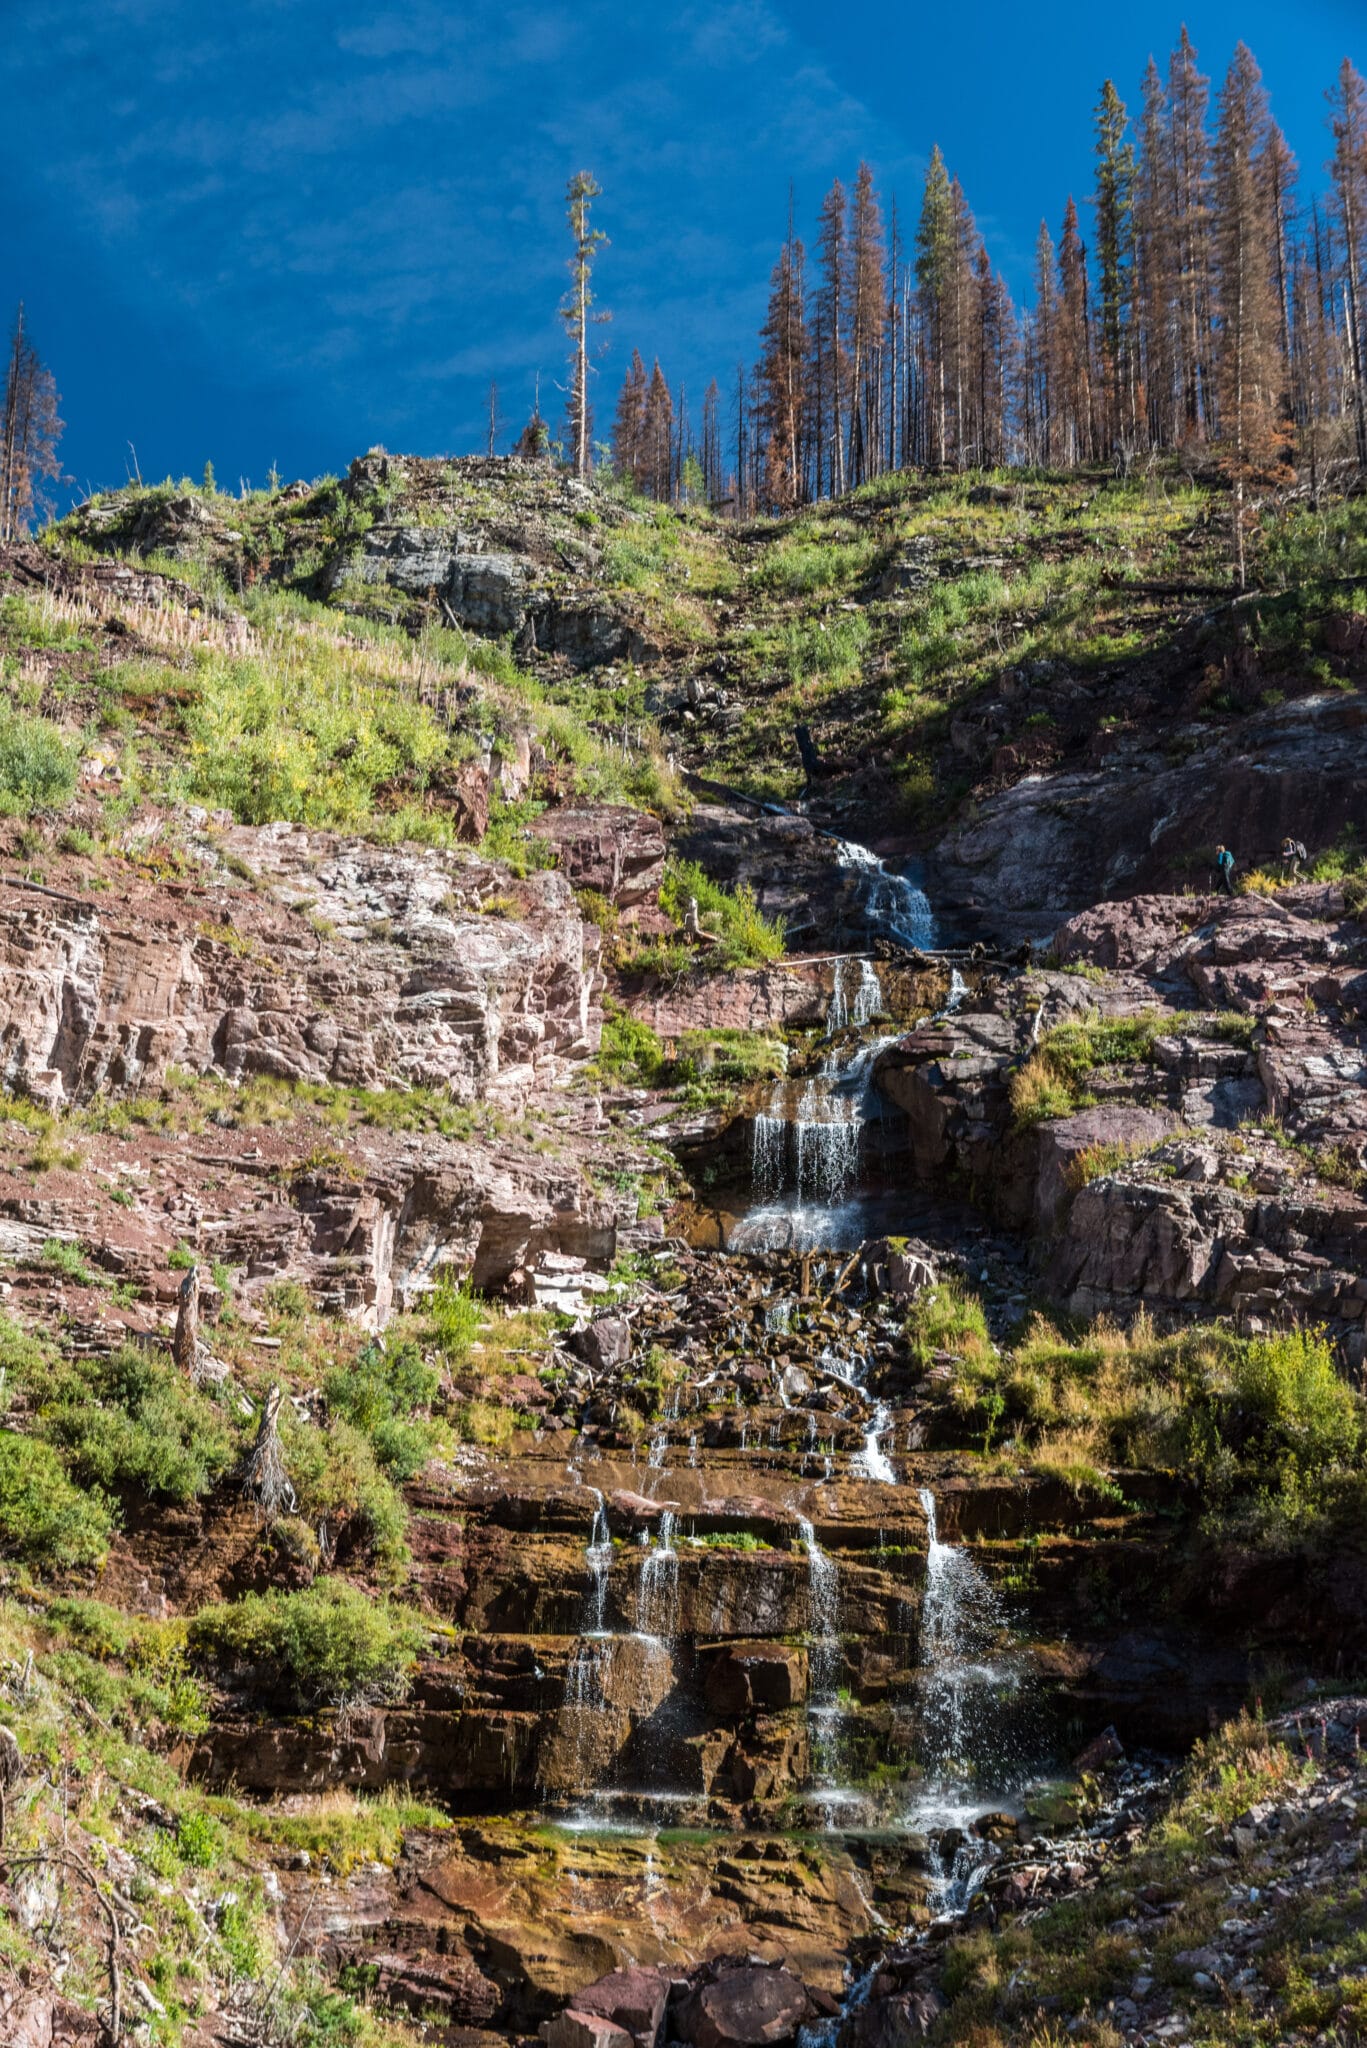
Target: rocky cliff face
x,y
1053,844
348,963
547,1603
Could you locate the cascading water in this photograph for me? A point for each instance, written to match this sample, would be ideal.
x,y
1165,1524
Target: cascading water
x,y
657,1589
599,1559
890,903
962,1678
824,1711
873,1461
858,1006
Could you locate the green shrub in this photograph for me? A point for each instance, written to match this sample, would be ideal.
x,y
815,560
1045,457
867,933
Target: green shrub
x,y
200,1840
336,1476
1283,1399
132,1420
454,1316
91,1626
631,1051
330,1645
947,1317
44,1519
747,938
307,732
378,1393
37,764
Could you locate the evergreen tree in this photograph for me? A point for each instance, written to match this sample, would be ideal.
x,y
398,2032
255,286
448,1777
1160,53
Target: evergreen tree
x,y
866,314
829,322
780,376
936,259
1114,204
629,424
1072,345
576,312
29,432
1348,169
1250,373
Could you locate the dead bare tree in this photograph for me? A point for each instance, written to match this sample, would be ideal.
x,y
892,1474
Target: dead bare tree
x,y
29,432
265,1478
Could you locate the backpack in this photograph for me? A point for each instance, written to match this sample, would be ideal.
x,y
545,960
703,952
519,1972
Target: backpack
x,y
1298,850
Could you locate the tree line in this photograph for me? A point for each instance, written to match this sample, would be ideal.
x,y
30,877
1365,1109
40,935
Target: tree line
x,y
1214,310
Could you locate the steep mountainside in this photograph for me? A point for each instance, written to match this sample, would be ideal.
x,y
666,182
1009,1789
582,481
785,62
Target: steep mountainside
x,y
654,1388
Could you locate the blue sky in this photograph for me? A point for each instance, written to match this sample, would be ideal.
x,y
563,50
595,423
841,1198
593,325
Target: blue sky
x,y
280,231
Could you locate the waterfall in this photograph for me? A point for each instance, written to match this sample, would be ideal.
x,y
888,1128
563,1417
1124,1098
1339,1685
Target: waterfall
x,y
865,1002
826,1140
769,1146
873,1461
961,1622
890,902
657,1589
599,1558
823,1709
958,989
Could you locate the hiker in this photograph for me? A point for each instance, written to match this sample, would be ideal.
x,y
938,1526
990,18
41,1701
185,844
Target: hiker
x,y
1224,861
1293,853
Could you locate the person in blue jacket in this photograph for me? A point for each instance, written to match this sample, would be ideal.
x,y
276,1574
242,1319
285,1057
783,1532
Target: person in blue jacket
x,y
1224,861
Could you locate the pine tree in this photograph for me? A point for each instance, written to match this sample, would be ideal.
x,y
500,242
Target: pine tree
x,y
1072,346
829,325
1348,168
1189,96
865,325
1114,204
1155,266
29,432
575,311
1250,373
781,381
657,438
713,479
1045,342
629,422
936,276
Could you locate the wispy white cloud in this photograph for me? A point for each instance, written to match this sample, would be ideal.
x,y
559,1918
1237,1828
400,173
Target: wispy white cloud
x,y
368,203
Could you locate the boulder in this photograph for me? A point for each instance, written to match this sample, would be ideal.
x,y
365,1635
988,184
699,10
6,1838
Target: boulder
x,y
571,2029
896,1269
749,2006
604,1343
633,1999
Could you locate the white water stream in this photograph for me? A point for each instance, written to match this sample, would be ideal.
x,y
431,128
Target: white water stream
x,y
890,902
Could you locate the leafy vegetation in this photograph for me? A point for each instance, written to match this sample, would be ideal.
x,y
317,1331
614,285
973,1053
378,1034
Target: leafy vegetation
x,y
45,1519
331,1645
1051,1082
37,764
1266,1418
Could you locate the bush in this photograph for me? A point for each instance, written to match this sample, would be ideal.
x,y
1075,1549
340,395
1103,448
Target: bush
x,y
378,1393
631,1051
37,764
331,1645
132,1420
337,1478
747,938
44,1519
455,1317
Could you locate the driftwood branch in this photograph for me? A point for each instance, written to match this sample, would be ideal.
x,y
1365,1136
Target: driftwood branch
x,y
67,1859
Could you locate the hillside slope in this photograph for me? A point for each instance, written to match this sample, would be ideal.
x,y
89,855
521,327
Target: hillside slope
x,y
614,1409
